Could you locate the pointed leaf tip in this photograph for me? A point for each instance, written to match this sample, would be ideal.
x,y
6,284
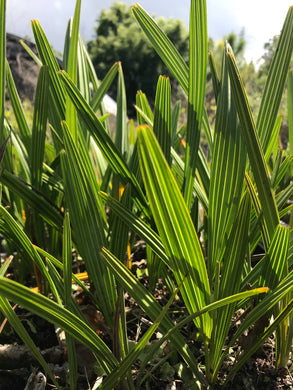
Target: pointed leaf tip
x,y
142,127
263,289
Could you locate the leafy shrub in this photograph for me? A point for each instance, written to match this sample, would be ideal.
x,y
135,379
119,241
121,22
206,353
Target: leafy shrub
x,y
201,222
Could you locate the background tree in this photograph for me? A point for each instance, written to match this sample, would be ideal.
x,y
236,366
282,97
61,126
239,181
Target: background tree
x,y
119,38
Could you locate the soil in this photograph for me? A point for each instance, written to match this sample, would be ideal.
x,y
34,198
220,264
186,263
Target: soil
x,y
16,364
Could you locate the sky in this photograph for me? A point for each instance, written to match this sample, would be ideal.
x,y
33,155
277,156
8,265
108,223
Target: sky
x,y
261,19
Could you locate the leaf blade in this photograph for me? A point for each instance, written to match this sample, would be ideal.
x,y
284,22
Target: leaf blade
x,y
58,315
253,146
174,224
275,82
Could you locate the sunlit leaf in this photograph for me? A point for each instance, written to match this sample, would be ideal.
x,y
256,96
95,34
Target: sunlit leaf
x,y
227,171
2,64
103,140
18,109
198,44
162,116
162,45
148,303
253,146
174,225
39,127
275,82
87,219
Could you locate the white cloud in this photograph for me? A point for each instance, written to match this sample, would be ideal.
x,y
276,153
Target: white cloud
x,y
57,4
261,20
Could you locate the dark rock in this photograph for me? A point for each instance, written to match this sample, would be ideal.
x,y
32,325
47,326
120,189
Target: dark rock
x,y
23,68
25,71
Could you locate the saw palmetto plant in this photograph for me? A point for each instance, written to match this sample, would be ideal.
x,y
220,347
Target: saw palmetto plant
x,y
67,184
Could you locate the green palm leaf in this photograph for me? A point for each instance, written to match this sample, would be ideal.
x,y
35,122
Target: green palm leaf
x,y
227,171
208,132
31,53
229,284
39,127
121,136
149,304
215,78
172,58
283,315
117,374
87,218
57,94
265,306
57,264
274,263
199,185
162,116
23,126
23,171
258,215
48,58
3,148
104,86
25,246
46,209
17,325
83,71
95,82
103,140
137,225
145,116
174,225
281,171
72,68
274,138
2,64
253,146
67,260
60,316
198,43
290,110
163,46
15,322
151,307
71,62
144,112
275,82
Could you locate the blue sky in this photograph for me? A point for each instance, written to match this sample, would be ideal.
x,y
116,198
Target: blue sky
x,y
261,19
